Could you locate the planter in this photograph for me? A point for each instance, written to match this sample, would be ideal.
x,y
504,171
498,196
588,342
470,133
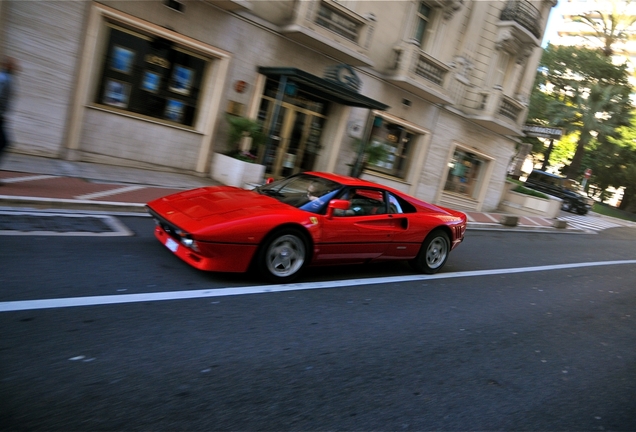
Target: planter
x,y
235,172
522,204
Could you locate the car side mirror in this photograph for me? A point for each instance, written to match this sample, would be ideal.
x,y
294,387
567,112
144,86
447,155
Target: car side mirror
x,y
337,204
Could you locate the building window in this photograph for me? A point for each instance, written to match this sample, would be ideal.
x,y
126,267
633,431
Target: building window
x,y
394,143
424,28
504,71
338,22
464,172
150,76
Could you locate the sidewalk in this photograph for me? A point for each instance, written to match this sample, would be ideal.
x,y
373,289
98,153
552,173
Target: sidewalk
x,y
39,182
44,183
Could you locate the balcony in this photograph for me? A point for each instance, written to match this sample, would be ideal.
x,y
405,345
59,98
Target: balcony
x,y
521,20
332,29
499,113
417,72
231,5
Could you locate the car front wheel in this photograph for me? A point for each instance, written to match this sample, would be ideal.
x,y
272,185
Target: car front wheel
x,y
282,256
433,253
566,206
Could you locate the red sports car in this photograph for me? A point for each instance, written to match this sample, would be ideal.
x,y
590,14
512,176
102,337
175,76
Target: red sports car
x,y
306,219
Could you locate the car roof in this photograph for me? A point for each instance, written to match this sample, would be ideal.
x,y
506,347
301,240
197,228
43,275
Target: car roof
x,y
352,181
343,179
546,174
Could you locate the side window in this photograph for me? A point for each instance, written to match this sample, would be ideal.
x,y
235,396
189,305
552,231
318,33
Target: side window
x,y
364,202
398,205
394,205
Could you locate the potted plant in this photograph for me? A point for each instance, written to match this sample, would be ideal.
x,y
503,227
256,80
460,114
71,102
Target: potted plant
x,y
370,154
238,166
245,135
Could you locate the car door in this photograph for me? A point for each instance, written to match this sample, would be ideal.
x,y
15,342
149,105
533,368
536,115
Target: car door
x,y
362,233
411,229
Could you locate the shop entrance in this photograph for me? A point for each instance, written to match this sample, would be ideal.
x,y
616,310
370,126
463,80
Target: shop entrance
x,y
293,112
294,137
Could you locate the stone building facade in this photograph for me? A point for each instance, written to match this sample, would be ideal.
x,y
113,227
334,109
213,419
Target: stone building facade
x,y
441,86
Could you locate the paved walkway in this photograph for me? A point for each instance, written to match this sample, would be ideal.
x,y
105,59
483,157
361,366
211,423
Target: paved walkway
x,y
37,182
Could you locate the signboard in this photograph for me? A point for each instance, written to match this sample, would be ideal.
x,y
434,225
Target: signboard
x,y
542,131
344,75
588,173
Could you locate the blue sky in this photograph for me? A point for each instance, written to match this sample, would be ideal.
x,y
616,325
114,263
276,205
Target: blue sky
x,y
554,22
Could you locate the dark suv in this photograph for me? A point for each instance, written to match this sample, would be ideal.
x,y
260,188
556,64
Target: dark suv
x,y
560,187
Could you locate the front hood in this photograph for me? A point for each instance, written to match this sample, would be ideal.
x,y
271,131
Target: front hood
x,y
220,201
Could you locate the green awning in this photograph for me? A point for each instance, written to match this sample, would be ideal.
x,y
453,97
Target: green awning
x,y
326,89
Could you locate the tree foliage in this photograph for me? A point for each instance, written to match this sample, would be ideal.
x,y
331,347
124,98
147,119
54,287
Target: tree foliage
x,y
613,163
582,91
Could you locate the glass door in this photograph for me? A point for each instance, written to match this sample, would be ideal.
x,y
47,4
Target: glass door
x,y
293,141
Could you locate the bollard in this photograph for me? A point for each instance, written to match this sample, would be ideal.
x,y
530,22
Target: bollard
x,y
559,224
508,220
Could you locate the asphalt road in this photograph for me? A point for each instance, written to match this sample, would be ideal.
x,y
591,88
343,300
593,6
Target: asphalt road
x,y
548,349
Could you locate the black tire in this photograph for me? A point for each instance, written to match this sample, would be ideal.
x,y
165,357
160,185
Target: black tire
x,y
566,206
433,253
282,255
582,211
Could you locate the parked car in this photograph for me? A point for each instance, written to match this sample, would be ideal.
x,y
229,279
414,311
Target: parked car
x,y
551,184
306,219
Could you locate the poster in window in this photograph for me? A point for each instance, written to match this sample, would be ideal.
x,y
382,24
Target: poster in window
x,y
174,110
116,93
122,60
181,80
151,81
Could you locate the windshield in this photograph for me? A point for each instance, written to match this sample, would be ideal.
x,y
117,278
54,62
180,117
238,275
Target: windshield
x,y
306,192
573,186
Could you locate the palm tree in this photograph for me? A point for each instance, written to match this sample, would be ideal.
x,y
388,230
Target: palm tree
x,y
609,27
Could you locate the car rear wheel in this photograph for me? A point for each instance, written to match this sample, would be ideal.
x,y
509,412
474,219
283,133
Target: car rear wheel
x,y
433,253
282,256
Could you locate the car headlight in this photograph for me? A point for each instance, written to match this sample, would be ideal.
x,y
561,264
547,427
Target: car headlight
x,y
187,240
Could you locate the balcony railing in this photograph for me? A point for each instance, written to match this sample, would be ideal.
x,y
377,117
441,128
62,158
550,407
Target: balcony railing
x,y
430,70
524,14
333,29
509,108
420,73
496,111
338,22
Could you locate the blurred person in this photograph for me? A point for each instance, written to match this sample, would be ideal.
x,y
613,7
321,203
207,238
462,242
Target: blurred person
x,y
7,86
314,190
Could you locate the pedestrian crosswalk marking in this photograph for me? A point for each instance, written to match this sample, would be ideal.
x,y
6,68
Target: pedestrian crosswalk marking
x,y
108,192
26,179
587,223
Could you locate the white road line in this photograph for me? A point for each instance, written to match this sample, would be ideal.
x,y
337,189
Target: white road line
x,y
492,217
26,178
23,305
108,192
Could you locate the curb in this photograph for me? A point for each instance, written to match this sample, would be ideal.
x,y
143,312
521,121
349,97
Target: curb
x,y
477,226
70,204
140,209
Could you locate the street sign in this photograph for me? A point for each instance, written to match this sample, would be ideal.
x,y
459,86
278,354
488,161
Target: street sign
x,y
588,173
542,131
